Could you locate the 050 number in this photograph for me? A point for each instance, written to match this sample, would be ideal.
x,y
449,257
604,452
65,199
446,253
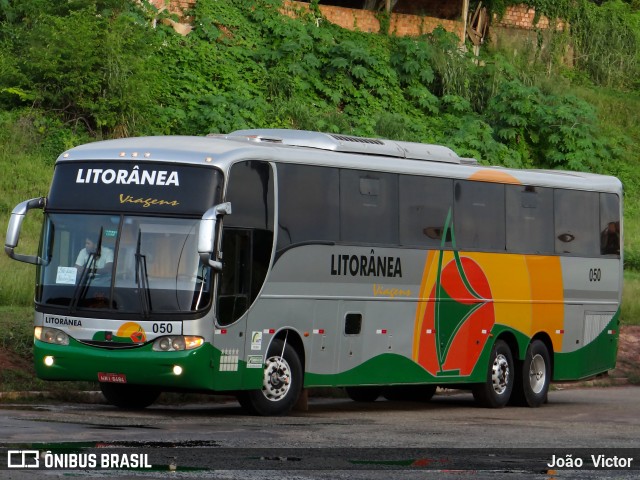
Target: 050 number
x,y
595,274
162,328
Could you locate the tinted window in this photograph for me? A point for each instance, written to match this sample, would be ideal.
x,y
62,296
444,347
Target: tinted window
x,y
352,323
246,240
576,222
479,214
308,203
529,219
368,207
609,224
425,203
250,192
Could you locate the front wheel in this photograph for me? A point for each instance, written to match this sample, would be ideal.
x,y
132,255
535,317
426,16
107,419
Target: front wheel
x,y
496,390
281,383
132,397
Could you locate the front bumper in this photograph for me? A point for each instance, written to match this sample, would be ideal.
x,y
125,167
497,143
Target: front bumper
x,y
140,365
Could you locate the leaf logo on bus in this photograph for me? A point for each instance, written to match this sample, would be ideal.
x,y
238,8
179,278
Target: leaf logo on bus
x,y
129,332
133,332
458,319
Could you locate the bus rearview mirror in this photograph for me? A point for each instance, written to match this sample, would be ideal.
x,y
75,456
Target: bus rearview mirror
x,y
208,233
15,226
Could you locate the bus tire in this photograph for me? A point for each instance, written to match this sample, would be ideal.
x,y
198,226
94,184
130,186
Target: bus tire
x,y
363,394
535,375
281,386
130,397
496,390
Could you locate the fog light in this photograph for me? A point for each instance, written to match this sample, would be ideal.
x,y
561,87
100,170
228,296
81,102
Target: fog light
x,y
48,360
177,370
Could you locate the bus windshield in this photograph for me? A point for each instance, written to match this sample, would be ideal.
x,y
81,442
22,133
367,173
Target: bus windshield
x,y
130,264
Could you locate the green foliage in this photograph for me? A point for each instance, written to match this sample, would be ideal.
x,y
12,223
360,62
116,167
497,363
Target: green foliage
x,y
604,35
607,40
550,131
630,311
632,260
17,331
88,61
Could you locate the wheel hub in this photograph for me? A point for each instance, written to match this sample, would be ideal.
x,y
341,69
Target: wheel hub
x,y
277,379
537,373
500,374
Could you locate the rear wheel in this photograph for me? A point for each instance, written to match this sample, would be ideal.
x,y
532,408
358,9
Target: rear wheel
x,y
532,385
134,397
281,383
496,390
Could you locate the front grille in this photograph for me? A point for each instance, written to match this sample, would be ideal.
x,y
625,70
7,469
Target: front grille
x,y
112,345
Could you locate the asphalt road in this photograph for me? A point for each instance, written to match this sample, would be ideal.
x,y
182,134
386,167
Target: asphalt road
x,y
335,438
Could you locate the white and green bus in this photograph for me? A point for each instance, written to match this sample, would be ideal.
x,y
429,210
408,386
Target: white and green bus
x,y
264,262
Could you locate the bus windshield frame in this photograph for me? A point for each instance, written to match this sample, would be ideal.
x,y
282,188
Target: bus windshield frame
x,y
134,265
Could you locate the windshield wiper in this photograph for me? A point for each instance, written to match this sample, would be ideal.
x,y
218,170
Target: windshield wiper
x,y
142,279
85,277
83,284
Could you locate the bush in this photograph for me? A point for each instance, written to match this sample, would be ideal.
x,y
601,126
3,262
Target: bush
x,y
89,62
632,260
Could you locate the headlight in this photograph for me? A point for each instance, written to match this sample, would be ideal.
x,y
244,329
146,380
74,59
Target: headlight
x,y
177,343
51,335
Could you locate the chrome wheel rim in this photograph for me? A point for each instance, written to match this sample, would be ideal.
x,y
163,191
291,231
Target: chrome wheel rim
x,y
276,382
537,373
500,374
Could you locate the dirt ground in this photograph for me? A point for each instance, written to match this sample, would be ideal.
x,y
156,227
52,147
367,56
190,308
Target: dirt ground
x,y
628,365
8,361
627,369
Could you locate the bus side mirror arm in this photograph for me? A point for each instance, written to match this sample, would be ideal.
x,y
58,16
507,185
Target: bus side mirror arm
x,y
207,236
15,226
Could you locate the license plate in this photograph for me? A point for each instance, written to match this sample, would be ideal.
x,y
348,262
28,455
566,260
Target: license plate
x,y
112,377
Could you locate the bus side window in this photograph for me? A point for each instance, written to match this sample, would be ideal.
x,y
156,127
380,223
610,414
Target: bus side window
x,y
479,212
576,222
308,204
609,224
368,207
425,203
529,219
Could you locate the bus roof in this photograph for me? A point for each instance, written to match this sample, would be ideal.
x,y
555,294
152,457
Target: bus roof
x,y
322,149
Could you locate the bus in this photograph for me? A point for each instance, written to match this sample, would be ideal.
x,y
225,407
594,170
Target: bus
x,y
263,263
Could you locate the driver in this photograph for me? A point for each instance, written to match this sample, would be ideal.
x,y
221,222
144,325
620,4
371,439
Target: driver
x,y
101,263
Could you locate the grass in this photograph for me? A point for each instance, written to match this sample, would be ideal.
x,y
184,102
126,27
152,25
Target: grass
x,y
630,314
16,330
24,173
16,351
